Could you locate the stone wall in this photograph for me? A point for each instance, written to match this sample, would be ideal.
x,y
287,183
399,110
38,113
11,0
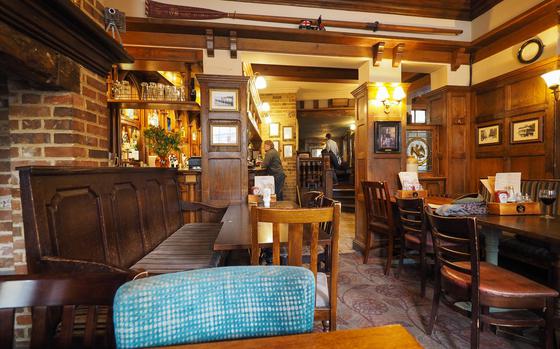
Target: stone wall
x,y
283,111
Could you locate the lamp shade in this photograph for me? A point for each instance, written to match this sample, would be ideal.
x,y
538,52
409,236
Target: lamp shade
x,y
382,94
265,107
552,78
398,93
353,126
260,82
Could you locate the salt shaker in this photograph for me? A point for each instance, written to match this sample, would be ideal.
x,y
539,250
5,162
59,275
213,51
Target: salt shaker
x,y
266,197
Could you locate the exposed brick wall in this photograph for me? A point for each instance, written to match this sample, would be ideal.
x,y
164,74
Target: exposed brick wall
x,y
283,111
6,241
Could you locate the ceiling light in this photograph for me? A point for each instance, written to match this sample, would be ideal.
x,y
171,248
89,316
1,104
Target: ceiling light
x,y
265,107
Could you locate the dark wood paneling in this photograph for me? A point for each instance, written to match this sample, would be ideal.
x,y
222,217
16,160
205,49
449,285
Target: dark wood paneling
x,y
299,73
128,220
515,96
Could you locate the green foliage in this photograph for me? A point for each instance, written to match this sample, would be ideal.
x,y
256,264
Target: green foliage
x,y
161,142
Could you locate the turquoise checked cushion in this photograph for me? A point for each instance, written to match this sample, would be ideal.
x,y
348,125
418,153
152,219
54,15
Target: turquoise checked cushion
x,y
214,304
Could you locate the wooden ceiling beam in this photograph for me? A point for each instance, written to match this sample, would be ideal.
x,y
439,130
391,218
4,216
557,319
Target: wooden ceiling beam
x,y
289,47
398,55
300,73
164,54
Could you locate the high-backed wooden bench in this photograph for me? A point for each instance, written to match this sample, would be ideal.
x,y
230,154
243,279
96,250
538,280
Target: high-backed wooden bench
x,y
111,219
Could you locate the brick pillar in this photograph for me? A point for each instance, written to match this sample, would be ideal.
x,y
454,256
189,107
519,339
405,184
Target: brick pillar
x,y
283,111
6,241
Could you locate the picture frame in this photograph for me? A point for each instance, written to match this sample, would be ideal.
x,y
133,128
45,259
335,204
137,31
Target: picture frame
x,y
222,134
526,131
489,134
387,137
287,133
276,145
274,129
224,100
288,150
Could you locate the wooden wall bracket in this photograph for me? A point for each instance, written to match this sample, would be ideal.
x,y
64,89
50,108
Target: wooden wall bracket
x,y
455,63
377,53
210,42
233,44
398,52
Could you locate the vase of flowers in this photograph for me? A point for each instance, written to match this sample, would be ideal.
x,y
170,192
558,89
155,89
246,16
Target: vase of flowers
x,y
162,143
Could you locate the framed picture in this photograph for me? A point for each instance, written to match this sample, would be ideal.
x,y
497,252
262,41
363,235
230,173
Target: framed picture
x,y
287,133
274,129
288,150
276,145
224,100
526,131
224,135
388,137
489,135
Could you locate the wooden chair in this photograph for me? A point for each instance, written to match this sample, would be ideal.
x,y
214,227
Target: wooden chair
x,y
47,294
460,277
311,199
414,235
326,295
379,214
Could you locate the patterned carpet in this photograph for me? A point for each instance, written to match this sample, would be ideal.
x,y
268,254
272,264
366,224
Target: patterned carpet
x,y
369,298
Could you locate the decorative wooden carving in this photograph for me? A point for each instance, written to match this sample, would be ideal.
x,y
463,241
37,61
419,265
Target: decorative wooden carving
x,y
397,55
233,44
210,42
377,53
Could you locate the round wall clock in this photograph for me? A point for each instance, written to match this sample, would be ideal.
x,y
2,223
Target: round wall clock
x,y
530,51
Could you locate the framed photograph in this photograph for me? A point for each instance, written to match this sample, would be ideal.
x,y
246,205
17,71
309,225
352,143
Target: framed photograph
x,y
526,131
274,129
224,135
224,100
388,137
489,135
287,133
276,145
288,150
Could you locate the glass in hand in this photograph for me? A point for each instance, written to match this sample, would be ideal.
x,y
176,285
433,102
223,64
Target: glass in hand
x,y
547,197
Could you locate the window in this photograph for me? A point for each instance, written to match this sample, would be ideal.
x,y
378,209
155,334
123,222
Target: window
x,y
418,116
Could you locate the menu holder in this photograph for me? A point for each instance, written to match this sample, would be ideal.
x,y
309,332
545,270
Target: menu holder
x,y
412,194
514,208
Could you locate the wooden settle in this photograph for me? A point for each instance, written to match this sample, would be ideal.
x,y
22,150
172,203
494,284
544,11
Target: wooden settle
x,y
108,219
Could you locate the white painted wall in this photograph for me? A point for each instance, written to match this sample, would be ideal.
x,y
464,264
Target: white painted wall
x,y
499,14
506,61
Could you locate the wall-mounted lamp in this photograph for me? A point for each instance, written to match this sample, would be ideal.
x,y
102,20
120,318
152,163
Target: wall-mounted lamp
x,y
384,97
265,107
353,126
260,81
552,80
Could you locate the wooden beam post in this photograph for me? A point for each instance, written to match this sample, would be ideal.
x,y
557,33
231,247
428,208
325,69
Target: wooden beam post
x,y
398,52
377,53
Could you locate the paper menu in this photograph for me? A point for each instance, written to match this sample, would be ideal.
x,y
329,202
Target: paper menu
x,y
506,179
409,180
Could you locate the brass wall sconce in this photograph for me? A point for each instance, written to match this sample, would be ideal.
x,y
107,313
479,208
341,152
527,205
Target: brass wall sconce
x,y
387,100
552,80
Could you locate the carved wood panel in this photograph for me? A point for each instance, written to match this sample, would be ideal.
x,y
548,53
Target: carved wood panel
x,y
129,228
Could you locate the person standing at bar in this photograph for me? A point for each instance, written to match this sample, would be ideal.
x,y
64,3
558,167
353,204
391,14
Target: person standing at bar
x,y
273,166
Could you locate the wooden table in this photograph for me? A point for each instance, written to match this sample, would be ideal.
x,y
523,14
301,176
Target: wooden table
x,y
235,233
385,337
